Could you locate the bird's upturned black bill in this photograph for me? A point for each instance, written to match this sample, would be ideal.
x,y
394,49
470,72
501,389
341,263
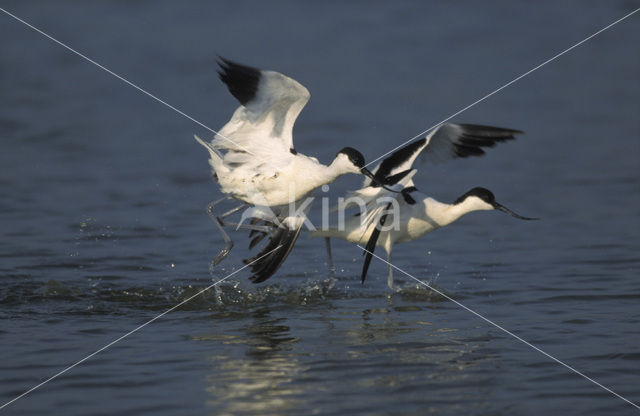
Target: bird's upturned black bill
x,y
513,214
368,173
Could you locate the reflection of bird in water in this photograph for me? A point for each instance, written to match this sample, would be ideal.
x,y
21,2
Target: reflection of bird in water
x,y
266,369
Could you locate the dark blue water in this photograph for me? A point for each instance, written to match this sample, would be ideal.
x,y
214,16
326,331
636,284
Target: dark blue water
x,y
103,226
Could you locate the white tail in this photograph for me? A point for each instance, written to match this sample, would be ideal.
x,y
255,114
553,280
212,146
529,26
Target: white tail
x,y
216,161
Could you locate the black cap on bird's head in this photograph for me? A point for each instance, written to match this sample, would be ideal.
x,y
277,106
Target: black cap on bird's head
x,y
482,193
357,159
487,196
354,156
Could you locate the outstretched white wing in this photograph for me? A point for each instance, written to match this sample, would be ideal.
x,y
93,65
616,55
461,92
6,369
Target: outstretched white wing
x,y
261,128
448,141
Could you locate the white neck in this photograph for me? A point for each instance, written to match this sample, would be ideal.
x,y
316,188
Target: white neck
x,y
316,174
340,166
444,214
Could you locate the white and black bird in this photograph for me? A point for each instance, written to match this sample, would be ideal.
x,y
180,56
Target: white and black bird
x,y
412,213
254,160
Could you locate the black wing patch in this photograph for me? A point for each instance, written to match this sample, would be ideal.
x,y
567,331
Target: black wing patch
x,y
397,158
241,80
263,268
406,194
391,180
474,137
371,244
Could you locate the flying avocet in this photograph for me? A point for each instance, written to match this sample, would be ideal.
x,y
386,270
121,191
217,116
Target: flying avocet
x,y
417,214
260,166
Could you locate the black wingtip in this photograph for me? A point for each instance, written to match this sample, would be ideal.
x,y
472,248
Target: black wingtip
x,y
475,136
241,80
264,265
256,240
491,131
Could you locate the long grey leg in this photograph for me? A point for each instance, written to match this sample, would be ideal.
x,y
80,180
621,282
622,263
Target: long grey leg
x,y
390,275
332,269
253,227
231,211
220,219
228,243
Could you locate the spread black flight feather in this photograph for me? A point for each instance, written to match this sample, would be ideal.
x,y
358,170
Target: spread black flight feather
x,y
255,221
241,80
263,268
256,240
373,240
475,136
460,140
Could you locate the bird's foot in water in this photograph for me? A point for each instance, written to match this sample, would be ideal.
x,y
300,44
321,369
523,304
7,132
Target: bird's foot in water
x,y
222,255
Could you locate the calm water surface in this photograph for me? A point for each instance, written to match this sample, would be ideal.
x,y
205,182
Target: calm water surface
x,y
103,226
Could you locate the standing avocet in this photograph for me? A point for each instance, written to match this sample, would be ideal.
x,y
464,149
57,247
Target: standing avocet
x,y
415,214
260,165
